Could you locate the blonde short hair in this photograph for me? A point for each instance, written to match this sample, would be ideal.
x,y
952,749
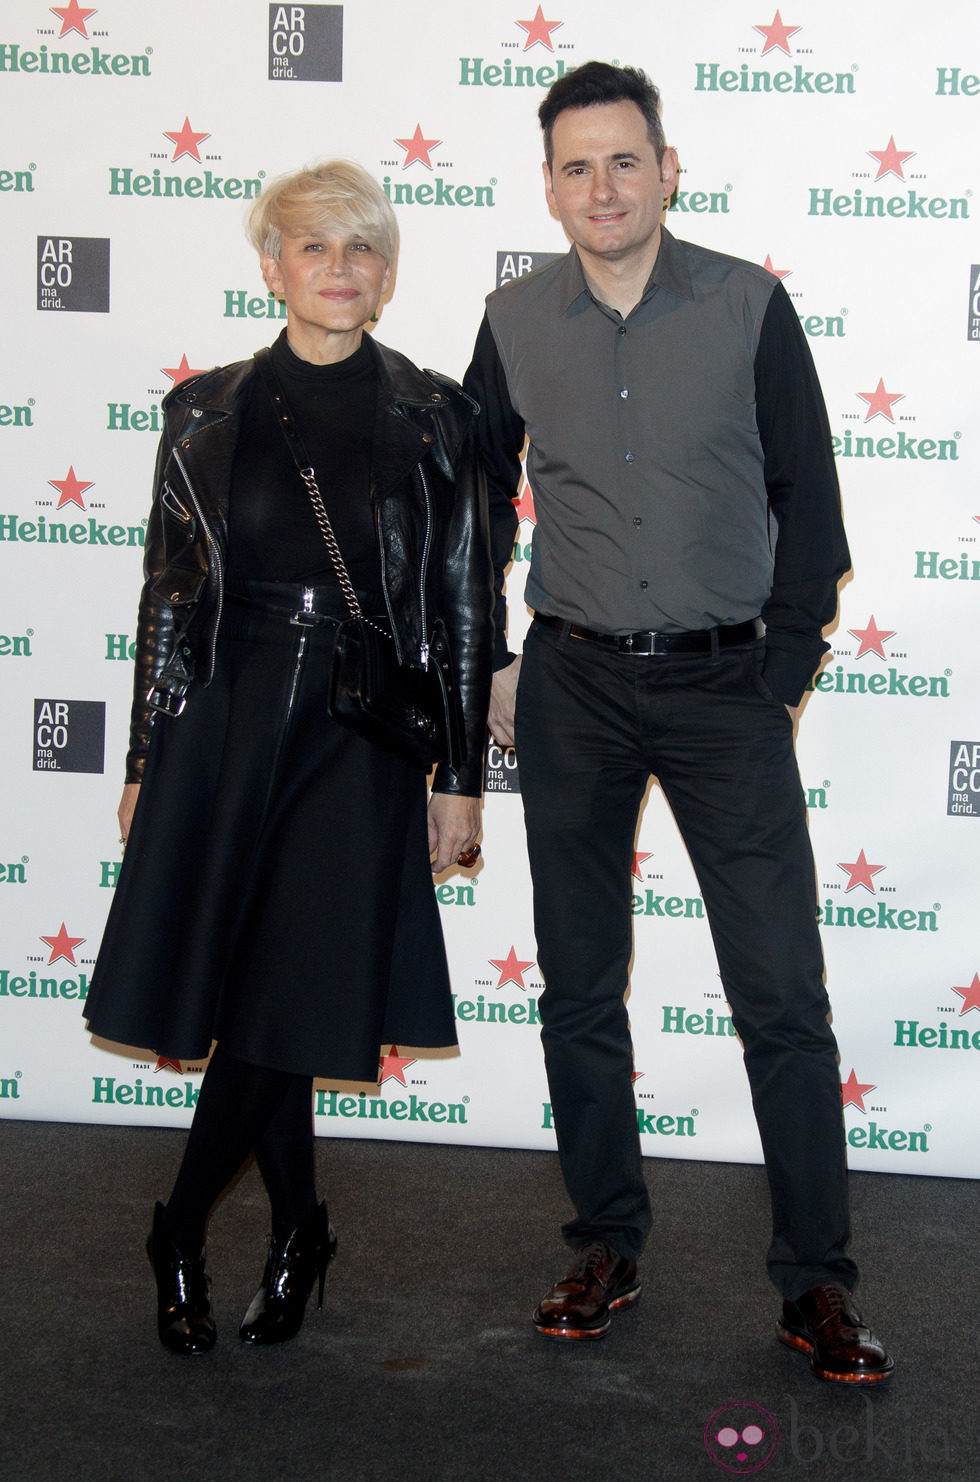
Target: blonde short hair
x,y
334,193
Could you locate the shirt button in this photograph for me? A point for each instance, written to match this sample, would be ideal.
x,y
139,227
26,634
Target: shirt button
x,y
621,329
630,457
644,584
624,393
637,520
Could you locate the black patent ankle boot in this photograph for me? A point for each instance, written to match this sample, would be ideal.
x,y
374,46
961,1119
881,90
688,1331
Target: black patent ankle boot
x,y
277,1309
184,1320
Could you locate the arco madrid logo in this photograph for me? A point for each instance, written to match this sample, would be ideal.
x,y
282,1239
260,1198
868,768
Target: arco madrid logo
x,y
862,875
306,43
69,736
73,21
418,150
184,143
533,40
891,682
963,800
775,76
73,274
874,1136
908,205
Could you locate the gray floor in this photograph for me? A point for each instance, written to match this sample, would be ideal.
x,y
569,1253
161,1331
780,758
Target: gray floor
x,y
423,1365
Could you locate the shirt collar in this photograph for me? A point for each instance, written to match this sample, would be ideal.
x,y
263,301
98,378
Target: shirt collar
x,y
670,272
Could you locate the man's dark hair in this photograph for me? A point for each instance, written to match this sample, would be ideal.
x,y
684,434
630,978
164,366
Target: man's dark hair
x,y
598,82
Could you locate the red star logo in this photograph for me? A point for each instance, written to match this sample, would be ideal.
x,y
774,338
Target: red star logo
x,y
638,858
71,489
166,1063
185,141
872,638
777,35
63,946
880,401
776,272
539,30
393,1067
181,372
970,995
525,504
853,1092
891,160
418,149
861,873
511,969
637,1076
73,17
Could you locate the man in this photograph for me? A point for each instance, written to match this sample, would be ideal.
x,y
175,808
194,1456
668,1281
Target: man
x,y
687,552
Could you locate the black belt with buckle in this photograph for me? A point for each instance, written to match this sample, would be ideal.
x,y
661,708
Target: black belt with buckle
x,y
650,644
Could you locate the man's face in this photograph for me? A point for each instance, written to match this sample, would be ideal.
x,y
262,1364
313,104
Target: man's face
x,y
606,184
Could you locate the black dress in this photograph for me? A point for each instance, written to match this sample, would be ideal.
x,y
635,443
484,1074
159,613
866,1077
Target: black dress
x,y
276,892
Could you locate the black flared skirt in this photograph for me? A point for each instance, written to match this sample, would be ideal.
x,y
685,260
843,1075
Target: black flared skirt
x,y
276,892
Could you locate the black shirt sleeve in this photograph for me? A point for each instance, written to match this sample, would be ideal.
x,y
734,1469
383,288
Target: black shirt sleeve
x,y
501,440
801,480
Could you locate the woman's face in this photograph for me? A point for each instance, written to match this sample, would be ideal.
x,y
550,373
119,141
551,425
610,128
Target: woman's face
x,y
332,281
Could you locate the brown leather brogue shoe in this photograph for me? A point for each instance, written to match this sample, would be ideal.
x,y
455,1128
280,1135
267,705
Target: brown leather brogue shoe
x,y
580,1305
825,1323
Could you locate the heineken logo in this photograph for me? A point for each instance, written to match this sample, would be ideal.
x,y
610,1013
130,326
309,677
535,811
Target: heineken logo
x,y
43,531
910,1034
910,205
414,1109
862,874
836,679
16,646
418,149
879,405
654,1124
815,326
108,1091
71,488
21,181
239,304
58,62
184,143
14,416
33,985
679,1020
10,1087
713,77
953,82
537,32
14,873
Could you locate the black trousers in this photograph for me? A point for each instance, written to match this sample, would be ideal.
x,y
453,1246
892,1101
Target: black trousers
x,y
592,725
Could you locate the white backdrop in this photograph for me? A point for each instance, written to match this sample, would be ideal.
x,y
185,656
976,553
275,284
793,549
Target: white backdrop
x,y
838,146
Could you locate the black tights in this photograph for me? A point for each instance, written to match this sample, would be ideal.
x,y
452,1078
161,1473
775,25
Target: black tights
x,y
242,1109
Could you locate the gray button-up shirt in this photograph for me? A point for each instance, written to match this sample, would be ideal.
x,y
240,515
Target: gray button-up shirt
x,y
665,451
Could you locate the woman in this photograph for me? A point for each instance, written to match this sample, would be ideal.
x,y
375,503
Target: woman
x,y
275,894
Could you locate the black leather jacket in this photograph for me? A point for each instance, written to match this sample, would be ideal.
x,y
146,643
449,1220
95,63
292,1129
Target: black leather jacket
x,y
430,512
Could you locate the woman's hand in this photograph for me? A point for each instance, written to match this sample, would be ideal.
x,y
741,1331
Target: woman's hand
x,y
127,806
454,823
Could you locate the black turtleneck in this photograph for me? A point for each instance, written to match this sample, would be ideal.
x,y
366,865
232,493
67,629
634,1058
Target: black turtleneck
x,y
272,531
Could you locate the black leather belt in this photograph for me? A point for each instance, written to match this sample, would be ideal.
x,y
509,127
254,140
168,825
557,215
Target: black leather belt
x,y
650,644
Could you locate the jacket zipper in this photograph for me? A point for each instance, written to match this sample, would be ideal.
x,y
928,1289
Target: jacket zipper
x,y
426,545
214,555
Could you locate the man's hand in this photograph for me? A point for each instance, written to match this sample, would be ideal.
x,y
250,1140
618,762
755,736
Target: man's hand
x,y
502,697
454,823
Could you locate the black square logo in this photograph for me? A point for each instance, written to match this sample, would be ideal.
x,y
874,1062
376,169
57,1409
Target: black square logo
x,y
973,311
501,770
306,43
511,265
73,274
69,736
964,779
